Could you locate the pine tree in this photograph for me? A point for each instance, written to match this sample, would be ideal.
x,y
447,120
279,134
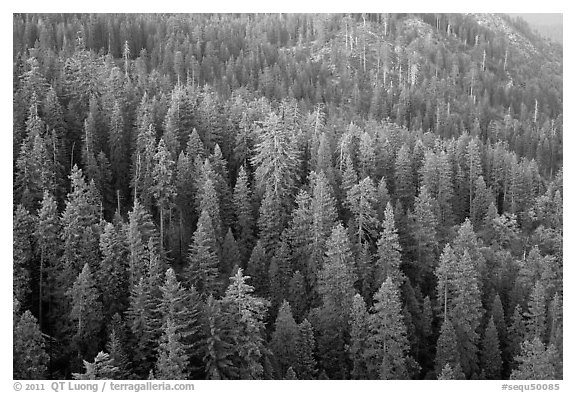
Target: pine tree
x,y
172,360
164,188
284,338
516,335
467,314
536,315
102,368
359,338
424,233
403,181
361,200
219,347
297,295
323,210
491,359
49,245
279,274
276,159
80,230
117,143
30,358
245,314
387,342
85,313
258,269
474,165
389,258
447,350
497,312
242,198
305,365
202,272
336,279
271,221
536,361
482,199
301,236
382,198
290,374
367,156
230,253
23,253
113,272
117,348
140,320
141,231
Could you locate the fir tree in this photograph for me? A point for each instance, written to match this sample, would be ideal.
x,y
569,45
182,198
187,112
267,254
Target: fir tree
x,y
23,253
284,338
258,270
359,338
403,181
242,198
536,361
387,342
164,188
305,365
102,368
447,350
219,347
297,295
113,272
536,315
202,272
85,313
491,359
172,360
30,358
230,253
389,259
361,200
245,313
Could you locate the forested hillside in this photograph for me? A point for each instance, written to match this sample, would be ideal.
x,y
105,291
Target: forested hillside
x,y
286,197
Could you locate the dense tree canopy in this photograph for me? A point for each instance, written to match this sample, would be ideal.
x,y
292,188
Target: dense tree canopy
x,y
291,196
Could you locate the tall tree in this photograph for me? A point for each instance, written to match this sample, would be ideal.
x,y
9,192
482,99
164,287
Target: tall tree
x,y
30,357
202,271
536,361
387,342
85,313
164,188
242,198
361,200
284,338
305,366
23,253
245,314
359,338
389,258
491,359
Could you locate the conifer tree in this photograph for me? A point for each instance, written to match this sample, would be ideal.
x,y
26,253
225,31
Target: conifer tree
x,y
80,229
497,312
474,165
117,143
447,373
424,232
403,180
85,313
367,156
536,315
172,360
536,361
219,347
389,259
361,200
359,338
202,271
447,350
297,295
164,188
49,246
242,198
271,221
387,342
516,334
301,233
279,274
141,231
30,357
258,269
284,338
102,368
23,253
245,313
336,279
140,318
230,253
117,348
491,359
113,272
305,365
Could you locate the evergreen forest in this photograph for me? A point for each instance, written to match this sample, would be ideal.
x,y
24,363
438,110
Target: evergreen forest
x,y
286,196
